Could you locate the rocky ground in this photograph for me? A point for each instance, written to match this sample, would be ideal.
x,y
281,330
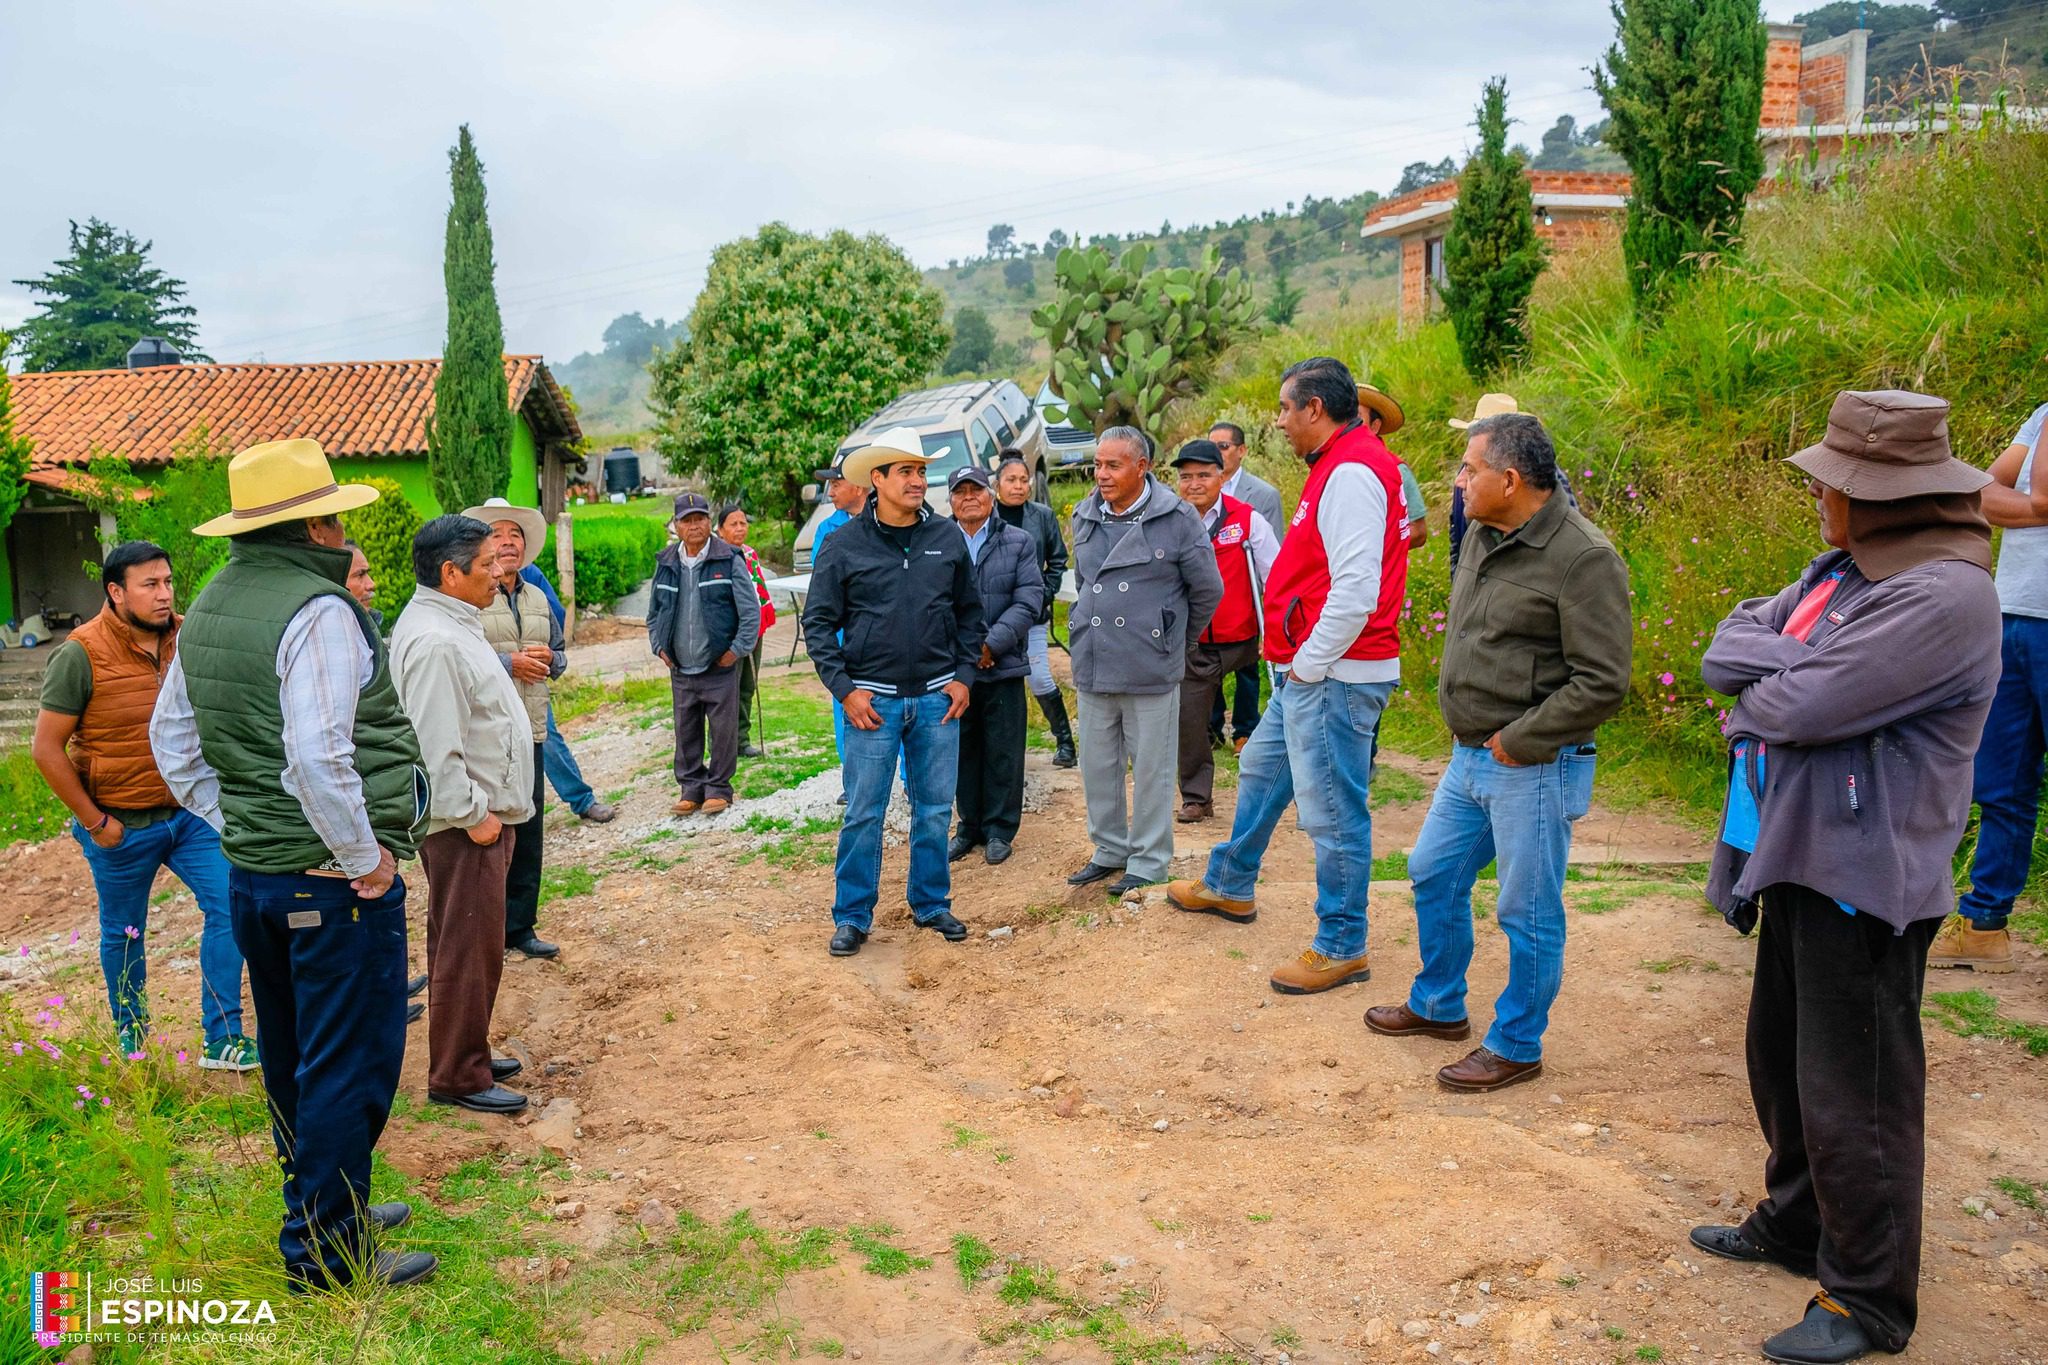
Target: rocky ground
x,y
1113,1091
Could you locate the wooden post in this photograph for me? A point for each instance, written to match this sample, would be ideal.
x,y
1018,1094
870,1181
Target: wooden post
x,y
565,570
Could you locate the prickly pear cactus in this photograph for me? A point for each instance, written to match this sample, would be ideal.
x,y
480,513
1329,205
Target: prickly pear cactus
x,y
1126,341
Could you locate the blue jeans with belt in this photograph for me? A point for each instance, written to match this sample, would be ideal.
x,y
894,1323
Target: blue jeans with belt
x,y
122,876
1314,750
327,978
1522,816
2007,787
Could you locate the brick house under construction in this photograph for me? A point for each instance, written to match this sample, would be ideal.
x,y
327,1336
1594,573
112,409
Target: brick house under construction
x,y
1813,103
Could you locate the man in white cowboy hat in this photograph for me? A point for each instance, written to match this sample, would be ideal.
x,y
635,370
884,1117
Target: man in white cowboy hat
x,y
529,643
894,627
279,724
704,618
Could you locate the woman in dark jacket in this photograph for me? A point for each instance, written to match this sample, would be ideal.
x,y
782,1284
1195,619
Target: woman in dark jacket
x,y
1015,506
990,794
1861,691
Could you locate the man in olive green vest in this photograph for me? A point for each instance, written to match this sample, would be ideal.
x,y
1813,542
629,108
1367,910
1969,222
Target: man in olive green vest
x,y
279,725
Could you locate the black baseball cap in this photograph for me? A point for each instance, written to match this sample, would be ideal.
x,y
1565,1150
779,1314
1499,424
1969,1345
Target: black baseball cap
x,y
1200,451
691,505
968,473
827,475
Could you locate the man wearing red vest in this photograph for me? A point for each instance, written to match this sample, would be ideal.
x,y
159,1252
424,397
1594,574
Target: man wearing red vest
x,y
1245,549
92,746
1331,616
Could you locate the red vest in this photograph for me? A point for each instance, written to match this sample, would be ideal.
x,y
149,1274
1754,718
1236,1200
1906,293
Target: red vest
x,y
1237,616
1301,575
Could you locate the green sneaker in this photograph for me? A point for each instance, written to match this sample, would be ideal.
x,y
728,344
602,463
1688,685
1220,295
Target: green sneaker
x,y
133,1036
232,1053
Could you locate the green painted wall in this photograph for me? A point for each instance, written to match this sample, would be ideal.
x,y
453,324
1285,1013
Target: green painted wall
x,y
410,473
6,580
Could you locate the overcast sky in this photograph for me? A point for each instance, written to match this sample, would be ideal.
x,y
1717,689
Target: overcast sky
x,y
290,161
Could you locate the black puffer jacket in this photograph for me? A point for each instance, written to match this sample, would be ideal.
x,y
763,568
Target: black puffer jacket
x,y
896,624
1011,588
1043,526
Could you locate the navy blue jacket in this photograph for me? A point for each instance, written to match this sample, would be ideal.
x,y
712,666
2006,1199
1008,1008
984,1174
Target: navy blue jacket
x,y
1012,589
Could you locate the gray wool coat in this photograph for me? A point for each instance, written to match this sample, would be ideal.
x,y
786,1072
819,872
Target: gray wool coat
x,y
1144,589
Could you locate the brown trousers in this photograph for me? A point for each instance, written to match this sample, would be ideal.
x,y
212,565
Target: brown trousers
x,y
1208,666
465,955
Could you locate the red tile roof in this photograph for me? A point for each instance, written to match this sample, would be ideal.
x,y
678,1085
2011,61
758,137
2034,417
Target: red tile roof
x,y
1540,182
353,408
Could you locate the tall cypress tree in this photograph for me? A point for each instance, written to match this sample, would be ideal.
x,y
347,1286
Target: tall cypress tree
x,y
1684,87
469,445
1491,254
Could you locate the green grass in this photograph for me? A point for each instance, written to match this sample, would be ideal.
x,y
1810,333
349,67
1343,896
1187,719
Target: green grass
x,y
1392,787
573,697
1683,962
1286,1338
972,1258
808,843
2028,1194
1049,1313
798,723
565,881
29,811
883,1259
1390,867
1974,1014
1649,1353
2031,925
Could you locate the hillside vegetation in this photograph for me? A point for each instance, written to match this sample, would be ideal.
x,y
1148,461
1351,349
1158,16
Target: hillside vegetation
x,y
1919,272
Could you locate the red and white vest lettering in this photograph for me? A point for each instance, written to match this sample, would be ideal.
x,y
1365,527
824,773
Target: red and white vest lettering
x,y
1301,575
1237,616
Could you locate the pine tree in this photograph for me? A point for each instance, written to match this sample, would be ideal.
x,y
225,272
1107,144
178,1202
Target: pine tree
x,y
1684,87
469,445
99,301
1491,254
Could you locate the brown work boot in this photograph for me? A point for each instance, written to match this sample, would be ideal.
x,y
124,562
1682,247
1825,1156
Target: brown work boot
x,y
713,805
684,807
1191,811
1192,895
1312,972
1981,950
1398,1021
1481,1069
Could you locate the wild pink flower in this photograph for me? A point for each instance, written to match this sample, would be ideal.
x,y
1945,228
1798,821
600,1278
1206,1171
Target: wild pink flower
x,y
78,1104
56,1002
132,932
20,1048
104,1101
24,950
84,1090
1666,679
181,1056
137,1055
74,937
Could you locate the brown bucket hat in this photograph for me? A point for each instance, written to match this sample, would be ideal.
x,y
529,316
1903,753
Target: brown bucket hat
x,y
1886,445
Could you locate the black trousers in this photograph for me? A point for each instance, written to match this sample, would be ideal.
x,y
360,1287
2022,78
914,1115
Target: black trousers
x,y
1244,702
707,716
522,880
1201,710
990,794
1838,1072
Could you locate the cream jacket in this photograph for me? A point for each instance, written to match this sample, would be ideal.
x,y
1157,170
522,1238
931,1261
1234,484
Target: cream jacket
x,y
475,740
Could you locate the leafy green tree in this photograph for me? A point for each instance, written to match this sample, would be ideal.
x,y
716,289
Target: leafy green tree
x,y
469,443
1684,88
1126,341
1054,240
99,301
15,453
1002,240
1018,275
385,530
974,343
192,489
1416,174
795,341
1491,254
1285,300
1230,249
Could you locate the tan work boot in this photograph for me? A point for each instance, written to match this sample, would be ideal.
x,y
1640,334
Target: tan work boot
x,y
1981,950
684,807
1192,895
713,805
1312,972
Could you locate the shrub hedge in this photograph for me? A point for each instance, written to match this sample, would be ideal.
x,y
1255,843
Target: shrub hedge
x,y
385,530
614,555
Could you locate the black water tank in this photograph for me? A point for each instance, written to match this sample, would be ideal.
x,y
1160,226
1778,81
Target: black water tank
x,y
621,470
153,351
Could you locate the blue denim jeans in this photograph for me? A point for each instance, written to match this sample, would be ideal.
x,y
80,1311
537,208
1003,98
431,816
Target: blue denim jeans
x,y
1313,749
1485,810
564,775
122,875
2007,788
912,734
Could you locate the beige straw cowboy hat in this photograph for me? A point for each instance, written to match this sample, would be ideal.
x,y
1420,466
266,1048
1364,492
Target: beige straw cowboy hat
x,y
898,445
283,481
1489,405
532,525
1382,403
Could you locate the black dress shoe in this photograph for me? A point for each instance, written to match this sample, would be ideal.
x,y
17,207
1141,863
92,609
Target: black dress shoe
x,y
1092,872
959,848
751,751
402,1267
1127,883
846,941
496,1100
1827,1335
1063,756
414,1011
416,985
532,947
948,928
505,1068
997,851
390,1217
1731,1243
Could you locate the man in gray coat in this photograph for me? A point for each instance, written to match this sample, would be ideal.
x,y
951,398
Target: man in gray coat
x,y
1146,584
